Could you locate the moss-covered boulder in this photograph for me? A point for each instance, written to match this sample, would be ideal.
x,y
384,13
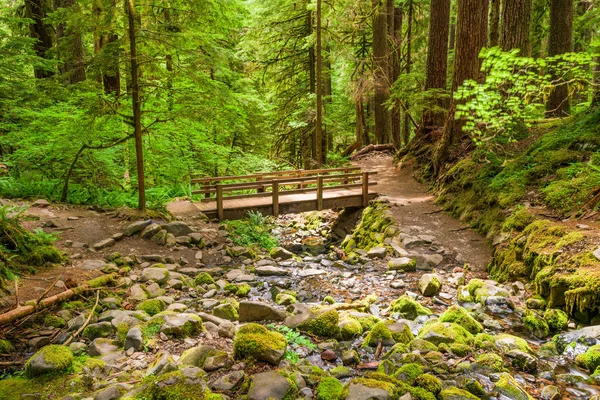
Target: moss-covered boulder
x,y
536,325
322,322
226,311
203,278
488,363
430,285
365,388
589,360
506,342
460,316
329,389
375,226
152,307
272,385
349,329
508,386
408,307
255,341
185,384
429,382
454,393
445,332
178,325
379,333
50,359
557,320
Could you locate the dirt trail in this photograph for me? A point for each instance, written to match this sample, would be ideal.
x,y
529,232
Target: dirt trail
x,y
415,209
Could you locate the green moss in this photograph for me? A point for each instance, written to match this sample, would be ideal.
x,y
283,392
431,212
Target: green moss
x,y
58,356
372,229
404,335
518,220
409,372
379,332
375,384
341,372
461,317
461,350
329,389
324,324
243,290
490,361
557,320
590,359
252,340
367,321
226,311
175,386
422,346
508,387
122,330
350,329
536,326
473,386
408,307
93,363
151,328
203,278
445,332
508,342
328,300
285,299
429,383
6,347
152,307
54,321
454,393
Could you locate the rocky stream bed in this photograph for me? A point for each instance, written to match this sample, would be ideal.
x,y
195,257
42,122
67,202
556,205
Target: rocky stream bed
x,y
335,312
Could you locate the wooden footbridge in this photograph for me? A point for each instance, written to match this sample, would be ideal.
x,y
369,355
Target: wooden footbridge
x,y
283,192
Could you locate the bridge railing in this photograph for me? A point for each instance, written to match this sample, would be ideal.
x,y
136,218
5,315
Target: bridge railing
x,y
278,184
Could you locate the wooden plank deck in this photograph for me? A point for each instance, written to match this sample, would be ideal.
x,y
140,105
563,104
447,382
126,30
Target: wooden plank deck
x,y
288,203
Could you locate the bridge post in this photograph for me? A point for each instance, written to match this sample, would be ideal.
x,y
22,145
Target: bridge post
x,y
365,189
275,199
319,193
260,189
346,173
220,213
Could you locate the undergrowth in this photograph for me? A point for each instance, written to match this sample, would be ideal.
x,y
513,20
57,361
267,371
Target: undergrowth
x,y
21,250
294,339
255,230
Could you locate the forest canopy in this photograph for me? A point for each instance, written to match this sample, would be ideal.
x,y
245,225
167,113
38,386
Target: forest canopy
x,y
217,88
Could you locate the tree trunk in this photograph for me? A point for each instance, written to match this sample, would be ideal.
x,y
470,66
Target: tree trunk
x,y
327,93
359,121
137,112
380,73
396,68
495,23
69,47
596,92
452,39
409,36
319,79
516,20
437,60
312,86
560,42
470,39
105,40
36,11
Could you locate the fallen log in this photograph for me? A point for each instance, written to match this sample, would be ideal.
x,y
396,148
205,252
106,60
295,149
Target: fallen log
x,y
350,149
31,307
373,147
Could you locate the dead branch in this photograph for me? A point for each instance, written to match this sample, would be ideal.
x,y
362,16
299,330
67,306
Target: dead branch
x,y
47,291
87,321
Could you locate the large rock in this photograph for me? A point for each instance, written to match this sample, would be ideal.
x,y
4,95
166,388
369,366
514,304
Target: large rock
x,y
250,311
150,231
270,386
228,382
445,332
92,264
180,325
357,391
377,252
269,270
255,341
99,330
104,244
136,227
280,252
402,264
158,275
109,393
510,389
134,340
585,337
101,347
430,285
178,228
52,358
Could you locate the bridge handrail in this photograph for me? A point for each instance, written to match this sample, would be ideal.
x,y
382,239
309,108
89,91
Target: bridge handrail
x,y
298,172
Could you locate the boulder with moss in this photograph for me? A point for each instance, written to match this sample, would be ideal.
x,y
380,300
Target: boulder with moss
x,y
365,388
186,384
379,333
226,311
445,332
535,325
272,385
461,316
408,307
508,387
152,307
349,329
430,285
329,389
556,319
50,359
454,393
257,342
322,322
177,325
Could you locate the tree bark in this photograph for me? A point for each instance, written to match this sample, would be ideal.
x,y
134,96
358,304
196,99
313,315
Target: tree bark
x,y
327,93
409,37
381,69
312,65
596,92
137,112
36,11
495,23
70,47
437,60
560,42
516,21
396,68
470,39
319,79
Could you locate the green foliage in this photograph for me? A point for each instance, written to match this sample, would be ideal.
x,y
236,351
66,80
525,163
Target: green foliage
x,y
255,230
20,249
294,339
515,91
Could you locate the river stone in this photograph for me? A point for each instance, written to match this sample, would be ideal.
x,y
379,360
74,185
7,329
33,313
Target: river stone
x,y
269,270
50,359
163,363
136,227
280,252
75,323
430,285
150,231
377,252
507,386
181,325
110,393
183,240
357,391
228,382
410,242
98,330
134,340
402,264
178,228
550,393
104,244
217,361
522,360
226,311
101,347
269,386
158,275
427,262
92,264
250,311
160,238
311,272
